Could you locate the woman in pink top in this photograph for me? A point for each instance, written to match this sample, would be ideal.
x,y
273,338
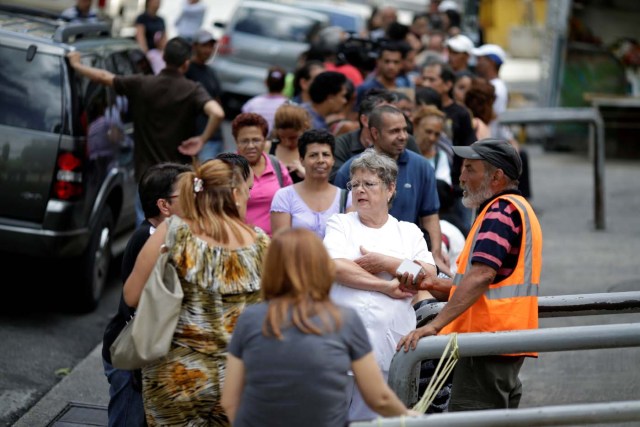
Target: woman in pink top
x,y
250,133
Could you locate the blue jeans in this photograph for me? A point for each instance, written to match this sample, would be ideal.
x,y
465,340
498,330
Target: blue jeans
x,y
210,150
125,401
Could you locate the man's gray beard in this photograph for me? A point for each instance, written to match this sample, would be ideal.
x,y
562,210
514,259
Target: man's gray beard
x,y
474,200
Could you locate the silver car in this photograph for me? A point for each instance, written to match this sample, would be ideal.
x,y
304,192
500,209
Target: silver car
x,y
260,35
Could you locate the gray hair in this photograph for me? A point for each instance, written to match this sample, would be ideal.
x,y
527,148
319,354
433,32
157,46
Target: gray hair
x,y
383,166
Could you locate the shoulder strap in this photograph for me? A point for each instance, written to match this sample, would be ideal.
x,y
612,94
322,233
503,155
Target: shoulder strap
x,y
276,167
343,200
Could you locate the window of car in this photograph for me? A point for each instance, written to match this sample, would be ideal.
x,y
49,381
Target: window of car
x,y
23,79
271,24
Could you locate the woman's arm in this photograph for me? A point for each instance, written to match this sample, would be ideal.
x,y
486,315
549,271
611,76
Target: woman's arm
x,y
233,386
375,391
375,262
350,274
144,265
280,221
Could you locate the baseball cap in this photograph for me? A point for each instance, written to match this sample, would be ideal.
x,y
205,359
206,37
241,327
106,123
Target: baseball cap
x,y
493,51
499,152
203,36
460,43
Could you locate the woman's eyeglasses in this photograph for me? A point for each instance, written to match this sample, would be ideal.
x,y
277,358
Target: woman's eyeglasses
x,y
367,185
247,142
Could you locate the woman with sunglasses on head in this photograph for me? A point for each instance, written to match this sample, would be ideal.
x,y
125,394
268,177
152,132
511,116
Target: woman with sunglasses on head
x,y
250,132
218,259
368,246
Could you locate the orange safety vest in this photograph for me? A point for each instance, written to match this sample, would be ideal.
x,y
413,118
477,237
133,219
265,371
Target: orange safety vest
x,y
511,304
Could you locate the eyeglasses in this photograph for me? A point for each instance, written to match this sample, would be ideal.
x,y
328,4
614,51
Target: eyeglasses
x,y
247,142
367,185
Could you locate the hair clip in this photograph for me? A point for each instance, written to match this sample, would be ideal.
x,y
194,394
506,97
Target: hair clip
x,y
198,185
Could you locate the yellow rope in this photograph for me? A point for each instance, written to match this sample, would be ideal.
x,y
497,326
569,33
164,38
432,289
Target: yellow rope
x,y
438,379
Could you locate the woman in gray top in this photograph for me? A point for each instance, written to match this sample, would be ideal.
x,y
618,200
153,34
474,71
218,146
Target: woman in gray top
x,y
290,357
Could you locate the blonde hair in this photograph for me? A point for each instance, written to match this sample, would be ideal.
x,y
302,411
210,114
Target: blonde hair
x,y
296,279
291,116
426,111
207,199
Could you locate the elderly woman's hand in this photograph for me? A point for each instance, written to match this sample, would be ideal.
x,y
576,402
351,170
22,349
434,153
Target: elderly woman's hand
x,y
393,290
374,262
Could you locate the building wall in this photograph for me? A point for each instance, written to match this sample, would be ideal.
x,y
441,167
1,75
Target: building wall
x,y
498,17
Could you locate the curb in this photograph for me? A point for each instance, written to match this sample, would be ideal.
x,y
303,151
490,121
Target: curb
x,y
85,384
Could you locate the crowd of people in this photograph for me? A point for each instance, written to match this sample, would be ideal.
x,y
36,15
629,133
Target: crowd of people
x,y
288,248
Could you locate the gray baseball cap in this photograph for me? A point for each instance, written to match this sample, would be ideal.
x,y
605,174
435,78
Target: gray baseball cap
x,y
499,152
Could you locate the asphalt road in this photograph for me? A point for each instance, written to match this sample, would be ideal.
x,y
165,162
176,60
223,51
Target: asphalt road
x,y
39,339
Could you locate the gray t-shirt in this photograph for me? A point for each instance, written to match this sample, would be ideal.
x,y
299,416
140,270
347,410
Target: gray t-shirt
x,y
301,380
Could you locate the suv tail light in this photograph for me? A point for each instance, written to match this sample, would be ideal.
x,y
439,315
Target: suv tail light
x,y
68,183
224,45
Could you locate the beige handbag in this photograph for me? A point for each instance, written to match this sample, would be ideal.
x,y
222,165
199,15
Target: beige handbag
x,y
147,337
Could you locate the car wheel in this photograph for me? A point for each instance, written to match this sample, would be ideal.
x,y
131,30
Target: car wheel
x,y
95,264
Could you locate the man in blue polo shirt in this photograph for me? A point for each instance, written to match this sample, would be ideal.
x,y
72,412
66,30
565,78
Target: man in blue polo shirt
x,y
416,197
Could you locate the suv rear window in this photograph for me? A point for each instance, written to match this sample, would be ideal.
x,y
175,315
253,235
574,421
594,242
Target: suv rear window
x,y
268,23
22,81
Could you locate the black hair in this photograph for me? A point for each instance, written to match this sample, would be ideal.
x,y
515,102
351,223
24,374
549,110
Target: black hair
x,y
375,118
428,96
326,84
176,52
394,46
304,72
315,136
157,183
236,160
372,98
464,73
276,77
397,31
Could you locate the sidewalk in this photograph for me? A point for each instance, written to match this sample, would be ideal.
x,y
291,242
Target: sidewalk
x,y
576,259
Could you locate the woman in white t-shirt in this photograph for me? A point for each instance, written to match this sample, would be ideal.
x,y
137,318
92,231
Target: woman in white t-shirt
x,y
368,246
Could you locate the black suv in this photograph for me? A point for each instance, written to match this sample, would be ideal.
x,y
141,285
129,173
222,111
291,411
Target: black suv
x,y
67,188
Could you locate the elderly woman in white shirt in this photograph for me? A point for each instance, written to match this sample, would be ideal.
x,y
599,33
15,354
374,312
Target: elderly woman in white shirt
x,y
367,246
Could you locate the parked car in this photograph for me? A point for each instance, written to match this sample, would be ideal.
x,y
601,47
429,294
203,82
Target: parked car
x,y
121,14
259,35
67,188
352,17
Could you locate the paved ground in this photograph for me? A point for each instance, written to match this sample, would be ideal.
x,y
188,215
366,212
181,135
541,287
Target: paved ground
x,y
577,259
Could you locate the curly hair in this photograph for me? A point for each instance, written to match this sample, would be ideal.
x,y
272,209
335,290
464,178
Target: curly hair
x,y
244,120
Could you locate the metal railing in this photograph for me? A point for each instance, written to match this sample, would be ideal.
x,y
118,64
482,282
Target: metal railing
x,y
563,305
509,342
591,116
561,415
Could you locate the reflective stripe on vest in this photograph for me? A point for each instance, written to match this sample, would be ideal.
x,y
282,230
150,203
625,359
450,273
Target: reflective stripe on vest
x,y
511,303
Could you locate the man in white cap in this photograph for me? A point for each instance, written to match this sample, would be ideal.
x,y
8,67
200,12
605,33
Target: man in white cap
x,y
459,48
490,58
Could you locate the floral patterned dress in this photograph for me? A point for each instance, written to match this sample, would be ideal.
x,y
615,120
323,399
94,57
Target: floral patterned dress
x,y
184,388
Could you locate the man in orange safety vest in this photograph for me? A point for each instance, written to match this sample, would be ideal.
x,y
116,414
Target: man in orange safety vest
x,y
497,281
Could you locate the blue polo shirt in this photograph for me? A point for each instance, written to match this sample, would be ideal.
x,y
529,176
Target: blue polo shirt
x,y
317,121
416,190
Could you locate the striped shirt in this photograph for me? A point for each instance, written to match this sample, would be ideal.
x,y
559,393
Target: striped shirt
x,y
499,237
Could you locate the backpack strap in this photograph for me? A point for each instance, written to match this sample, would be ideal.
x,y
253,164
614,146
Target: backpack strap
x,y
276,167
343,200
